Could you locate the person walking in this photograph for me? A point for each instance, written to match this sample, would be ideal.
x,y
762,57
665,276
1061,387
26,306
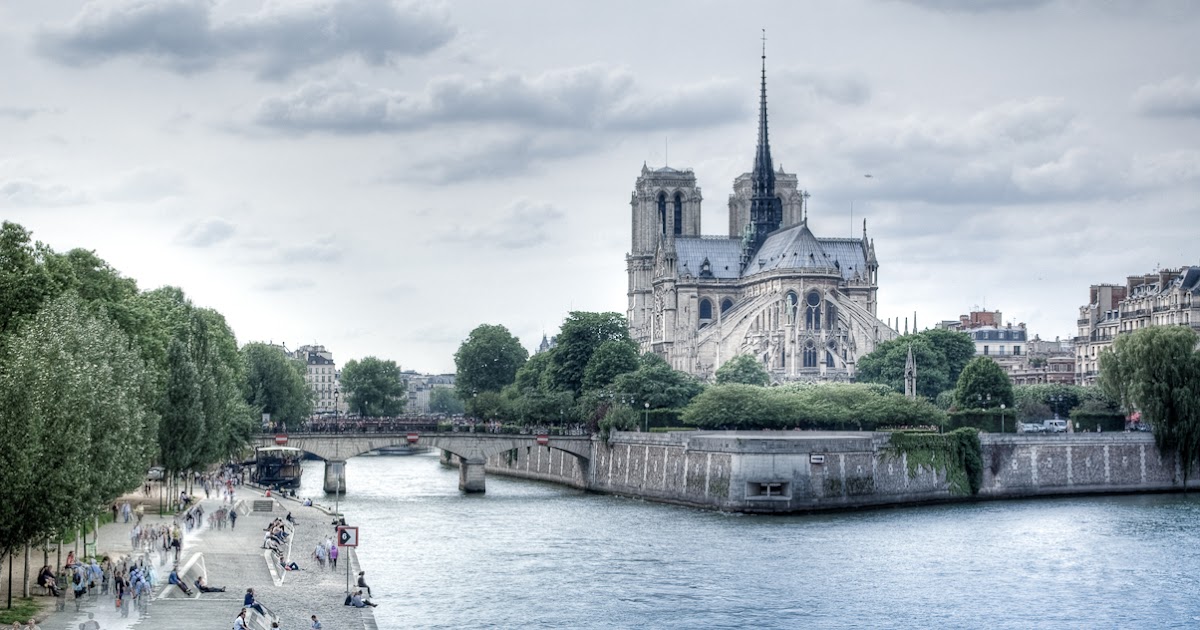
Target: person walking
x,y
319,554
232,518
316,625
333,554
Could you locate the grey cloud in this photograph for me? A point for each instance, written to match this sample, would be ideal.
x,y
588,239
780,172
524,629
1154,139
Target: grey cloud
x,y
489,159
523,224
324,249
277,285
1174,97
185,36
978,6
840,90
588,97
206,233
22,113
25,193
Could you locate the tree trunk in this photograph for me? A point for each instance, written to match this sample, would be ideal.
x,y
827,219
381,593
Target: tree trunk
x,y
9,605
25,583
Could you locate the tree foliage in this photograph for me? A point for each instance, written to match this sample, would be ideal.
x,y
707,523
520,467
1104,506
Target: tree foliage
x,y
1158,370
744,369
373,387
940,356
487,360
275,384
983,385
825,406
580,336
445,400
611,359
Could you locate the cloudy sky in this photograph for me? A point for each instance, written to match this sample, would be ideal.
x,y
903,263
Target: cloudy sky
x,y
381,177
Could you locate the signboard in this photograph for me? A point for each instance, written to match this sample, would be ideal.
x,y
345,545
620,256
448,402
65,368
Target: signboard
x,y
280,439
816,459
347,536
413,437
543,440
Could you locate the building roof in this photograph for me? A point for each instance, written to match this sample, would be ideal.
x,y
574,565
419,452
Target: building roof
x,y
848,255
723,255
791,248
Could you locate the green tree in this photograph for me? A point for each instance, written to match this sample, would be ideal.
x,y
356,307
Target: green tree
x,y
1160,369
610,360
581,335
373,387
983,385
445,400
182,435
940,356
487,360
744,369
655,382
739,406
275,384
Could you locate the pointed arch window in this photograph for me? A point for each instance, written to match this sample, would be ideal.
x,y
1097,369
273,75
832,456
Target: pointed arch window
x,y
678,214
810,354
830,315
706,312
726,304
812,318
662,213
792,304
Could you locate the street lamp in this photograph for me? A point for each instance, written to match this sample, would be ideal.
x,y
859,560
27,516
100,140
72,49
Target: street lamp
x,y
1002,417
646,416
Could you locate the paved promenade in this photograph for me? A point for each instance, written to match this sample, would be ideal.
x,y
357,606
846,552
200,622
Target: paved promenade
x,y
234,559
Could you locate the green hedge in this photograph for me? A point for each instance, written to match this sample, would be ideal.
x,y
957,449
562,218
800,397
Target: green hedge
x,y
1088,420
988,420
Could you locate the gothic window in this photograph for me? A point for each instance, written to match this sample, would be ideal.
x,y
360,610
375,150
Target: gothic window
x,y
810,355
678,214
792,303
726,304
829,359
813,318
662,212
830,315
706,312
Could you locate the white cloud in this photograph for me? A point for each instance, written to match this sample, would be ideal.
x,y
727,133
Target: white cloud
x,y
591,97
25,193
1175,97
145,184
187,36
205,233
523,224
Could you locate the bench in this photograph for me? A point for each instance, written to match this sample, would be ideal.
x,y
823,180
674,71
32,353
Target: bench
x,y
263,505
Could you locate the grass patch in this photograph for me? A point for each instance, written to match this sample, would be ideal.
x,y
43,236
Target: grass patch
x,y
23,610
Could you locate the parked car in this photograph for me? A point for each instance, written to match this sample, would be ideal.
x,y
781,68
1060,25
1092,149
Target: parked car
x,y
155,473
1031,427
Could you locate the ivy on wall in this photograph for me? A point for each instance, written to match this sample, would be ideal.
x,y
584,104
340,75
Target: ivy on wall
x,y
958,454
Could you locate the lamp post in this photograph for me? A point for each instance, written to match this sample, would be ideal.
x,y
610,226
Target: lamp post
x,y
337,486
1002,417
646,416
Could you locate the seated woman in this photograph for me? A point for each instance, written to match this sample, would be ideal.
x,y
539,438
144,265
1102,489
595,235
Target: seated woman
x,y
202,584
357,600
46,579
174,579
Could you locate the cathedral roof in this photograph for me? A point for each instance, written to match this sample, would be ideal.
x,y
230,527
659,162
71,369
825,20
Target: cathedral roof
x,y
847,255
791,248
723,255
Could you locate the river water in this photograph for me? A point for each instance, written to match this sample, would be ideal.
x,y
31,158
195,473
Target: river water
x,y
536,555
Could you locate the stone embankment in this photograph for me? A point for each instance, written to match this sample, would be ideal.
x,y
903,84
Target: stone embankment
x,y
233,558
799,471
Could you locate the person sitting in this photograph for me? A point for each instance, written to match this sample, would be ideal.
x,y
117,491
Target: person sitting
x,y
202,584
357,601
46,580
289,566
250,602
174,579
362,581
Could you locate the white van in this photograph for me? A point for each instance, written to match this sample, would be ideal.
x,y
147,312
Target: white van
x,y
1055,426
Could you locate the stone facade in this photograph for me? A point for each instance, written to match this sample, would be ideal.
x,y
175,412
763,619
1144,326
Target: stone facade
x,y
1170,297
322,377
803,306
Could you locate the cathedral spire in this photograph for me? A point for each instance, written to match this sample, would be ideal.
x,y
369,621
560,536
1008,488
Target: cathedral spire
x,y
766,211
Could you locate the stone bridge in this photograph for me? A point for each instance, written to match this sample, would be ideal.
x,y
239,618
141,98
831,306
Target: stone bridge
x,y
472,450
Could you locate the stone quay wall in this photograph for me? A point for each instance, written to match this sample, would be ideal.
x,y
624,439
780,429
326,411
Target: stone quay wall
x,y
806,471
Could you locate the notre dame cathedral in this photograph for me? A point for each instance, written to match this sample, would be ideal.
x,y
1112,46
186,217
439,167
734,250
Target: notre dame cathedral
x,y
803,306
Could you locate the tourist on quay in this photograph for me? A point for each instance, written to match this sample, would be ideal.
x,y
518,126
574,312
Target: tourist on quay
x,y
333,554
320,554
239,622
173,578
249,601
126,511
90,624
46,580
362,583
32,625
232,516
202,584
316,625
357,601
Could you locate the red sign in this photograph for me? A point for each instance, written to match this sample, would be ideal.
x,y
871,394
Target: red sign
x,y
543,440
413,437
280,439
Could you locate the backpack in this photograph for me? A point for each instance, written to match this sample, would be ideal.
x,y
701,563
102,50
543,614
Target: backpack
x,y
77,580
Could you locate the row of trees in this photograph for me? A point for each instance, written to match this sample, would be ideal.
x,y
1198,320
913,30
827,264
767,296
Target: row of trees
x,y
98,380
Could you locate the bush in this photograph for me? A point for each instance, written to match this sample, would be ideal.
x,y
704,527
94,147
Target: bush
x,y
835,406
1089,420
988,420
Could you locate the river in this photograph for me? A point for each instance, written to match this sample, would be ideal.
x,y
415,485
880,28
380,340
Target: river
x,y
537,555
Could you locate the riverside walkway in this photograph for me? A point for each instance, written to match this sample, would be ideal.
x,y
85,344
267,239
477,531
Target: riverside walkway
x,y
234,559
